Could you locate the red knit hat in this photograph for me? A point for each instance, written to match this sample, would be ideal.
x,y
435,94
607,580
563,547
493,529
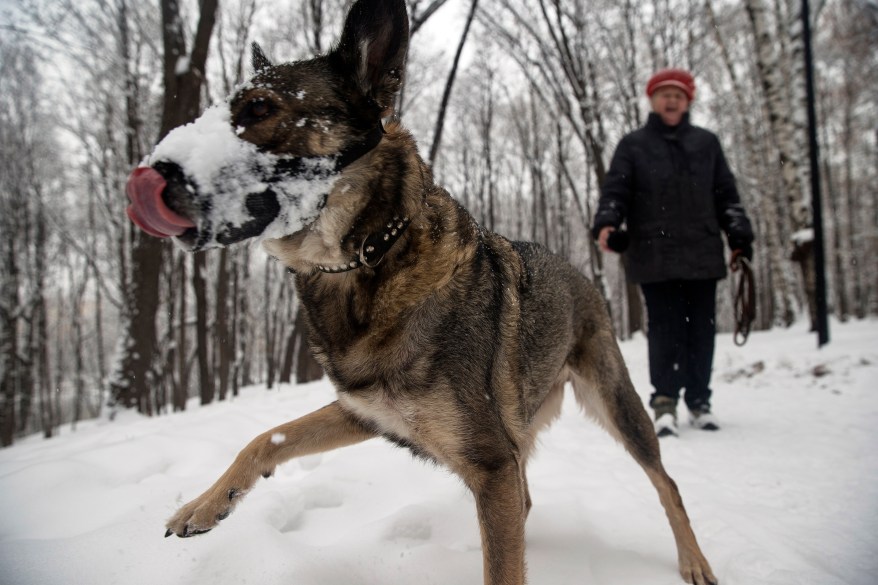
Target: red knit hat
x,y
679,78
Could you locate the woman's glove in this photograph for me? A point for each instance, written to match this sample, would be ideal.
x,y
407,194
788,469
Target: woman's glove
x,y
618,241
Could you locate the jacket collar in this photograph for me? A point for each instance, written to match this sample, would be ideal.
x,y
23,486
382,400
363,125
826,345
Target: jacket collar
x,y
654,122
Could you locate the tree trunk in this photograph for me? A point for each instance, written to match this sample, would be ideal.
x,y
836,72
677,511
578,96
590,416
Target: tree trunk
x,y
202,344
285,374
240,320
100,355
417,19
848,261
236,331
79,392
9,310
270,330
130,385
170,376
486,121
131,382
39,350
181,387
223,342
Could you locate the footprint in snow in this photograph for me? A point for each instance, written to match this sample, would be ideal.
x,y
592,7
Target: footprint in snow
x,y
301,502
317,497
412,523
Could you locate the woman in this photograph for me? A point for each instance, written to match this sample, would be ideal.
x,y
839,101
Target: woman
x,y
670,184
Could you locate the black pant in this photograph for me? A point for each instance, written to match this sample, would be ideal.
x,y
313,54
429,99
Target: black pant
x,y
682,328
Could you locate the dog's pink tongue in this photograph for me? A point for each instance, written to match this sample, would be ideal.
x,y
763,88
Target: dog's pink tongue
x,y
147,210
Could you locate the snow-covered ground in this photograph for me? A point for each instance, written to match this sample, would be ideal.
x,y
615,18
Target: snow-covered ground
x,y
785,493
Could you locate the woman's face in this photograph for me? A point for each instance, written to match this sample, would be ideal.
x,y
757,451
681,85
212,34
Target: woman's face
x,y
670,103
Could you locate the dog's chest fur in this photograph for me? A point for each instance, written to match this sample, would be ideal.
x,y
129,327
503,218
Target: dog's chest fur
x,y
431,421
392,417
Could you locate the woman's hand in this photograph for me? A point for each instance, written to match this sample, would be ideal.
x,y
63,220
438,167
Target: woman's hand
x,y
604,236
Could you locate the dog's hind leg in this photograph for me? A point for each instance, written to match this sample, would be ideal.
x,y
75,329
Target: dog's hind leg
x,y
546,414
323,430
603,388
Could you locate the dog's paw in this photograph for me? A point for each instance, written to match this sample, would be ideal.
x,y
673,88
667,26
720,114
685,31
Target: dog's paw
x,y
698,573
204,513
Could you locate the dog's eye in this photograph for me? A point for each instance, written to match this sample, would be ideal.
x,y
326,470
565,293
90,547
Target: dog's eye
x,y
259,108
255,111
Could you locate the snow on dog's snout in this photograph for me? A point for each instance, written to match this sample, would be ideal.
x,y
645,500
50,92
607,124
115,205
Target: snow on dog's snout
x,y
233,191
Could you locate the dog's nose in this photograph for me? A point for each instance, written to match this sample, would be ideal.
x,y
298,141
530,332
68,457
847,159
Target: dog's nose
x,y
148,210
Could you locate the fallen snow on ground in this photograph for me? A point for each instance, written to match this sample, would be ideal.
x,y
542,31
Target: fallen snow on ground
x,y
785,493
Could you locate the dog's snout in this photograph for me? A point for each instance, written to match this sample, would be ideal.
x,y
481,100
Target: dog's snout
x,y
148,209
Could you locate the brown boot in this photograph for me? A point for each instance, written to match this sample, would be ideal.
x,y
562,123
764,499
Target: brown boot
x,y
665,416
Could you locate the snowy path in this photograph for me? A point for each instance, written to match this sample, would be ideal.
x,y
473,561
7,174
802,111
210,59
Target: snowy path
x,y
786,493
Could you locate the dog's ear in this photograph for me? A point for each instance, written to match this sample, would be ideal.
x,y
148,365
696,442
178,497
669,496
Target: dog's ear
x,y
373,47
258,58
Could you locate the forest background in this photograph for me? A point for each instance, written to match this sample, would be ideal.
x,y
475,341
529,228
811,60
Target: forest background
x,y
518,104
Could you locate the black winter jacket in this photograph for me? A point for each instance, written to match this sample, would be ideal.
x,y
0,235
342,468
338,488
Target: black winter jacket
x,y
674,190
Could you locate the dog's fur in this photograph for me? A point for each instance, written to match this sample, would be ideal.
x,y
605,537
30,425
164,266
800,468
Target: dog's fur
x,y
459,343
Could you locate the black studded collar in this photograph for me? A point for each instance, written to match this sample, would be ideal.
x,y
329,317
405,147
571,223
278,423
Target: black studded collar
x,y
373,248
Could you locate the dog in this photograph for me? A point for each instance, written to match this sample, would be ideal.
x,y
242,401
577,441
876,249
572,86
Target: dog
x,y
439,335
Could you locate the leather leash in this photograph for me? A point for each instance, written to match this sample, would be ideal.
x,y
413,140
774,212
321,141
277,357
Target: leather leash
x,y
744,299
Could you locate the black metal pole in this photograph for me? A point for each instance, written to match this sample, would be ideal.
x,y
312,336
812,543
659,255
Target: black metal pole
x,y
816,205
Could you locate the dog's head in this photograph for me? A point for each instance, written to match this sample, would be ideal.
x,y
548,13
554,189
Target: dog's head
x,y
264,162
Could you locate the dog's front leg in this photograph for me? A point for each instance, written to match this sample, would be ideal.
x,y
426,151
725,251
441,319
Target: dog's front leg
x,y
323,430
500,501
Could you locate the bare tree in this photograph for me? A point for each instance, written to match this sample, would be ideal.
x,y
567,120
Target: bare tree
x,y
14,65
224,343
25,147
234,27
449,84
850,74
243,323
549,41
420,12
183,77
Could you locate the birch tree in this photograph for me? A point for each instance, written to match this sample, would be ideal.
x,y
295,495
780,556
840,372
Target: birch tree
x,y
784,112
778,298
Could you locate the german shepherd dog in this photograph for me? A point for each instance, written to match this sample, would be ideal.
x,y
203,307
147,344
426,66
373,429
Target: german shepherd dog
x,y
439,335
